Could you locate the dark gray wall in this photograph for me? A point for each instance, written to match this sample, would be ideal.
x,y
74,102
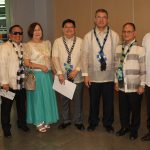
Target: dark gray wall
x,y
25,12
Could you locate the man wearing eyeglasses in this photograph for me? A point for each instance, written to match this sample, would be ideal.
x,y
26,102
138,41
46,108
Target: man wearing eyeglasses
x,y
12,79
98,70
130,81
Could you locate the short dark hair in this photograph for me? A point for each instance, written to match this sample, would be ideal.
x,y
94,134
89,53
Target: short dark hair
x,y
32,27
14,26
68,21
102,11
131,24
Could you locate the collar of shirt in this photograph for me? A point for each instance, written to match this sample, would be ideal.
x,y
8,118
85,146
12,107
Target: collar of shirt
x,y
69,39
18,48
16,45
128,45
98,32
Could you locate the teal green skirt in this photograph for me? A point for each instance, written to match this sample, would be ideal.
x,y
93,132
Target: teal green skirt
x,y
41,103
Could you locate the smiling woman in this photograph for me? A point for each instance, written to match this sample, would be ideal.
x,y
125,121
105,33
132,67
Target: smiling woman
x,y
41,103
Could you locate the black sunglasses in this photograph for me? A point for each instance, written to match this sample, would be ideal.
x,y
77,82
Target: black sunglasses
x,y
17,33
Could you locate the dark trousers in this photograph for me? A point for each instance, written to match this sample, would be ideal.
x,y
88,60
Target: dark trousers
x,y
106,90
6,106
78,106
130,110
147,92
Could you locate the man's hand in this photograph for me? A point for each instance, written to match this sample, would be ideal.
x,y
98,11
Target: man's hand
x,y
87,81
116,87
73,74
6,87
140,90
61,78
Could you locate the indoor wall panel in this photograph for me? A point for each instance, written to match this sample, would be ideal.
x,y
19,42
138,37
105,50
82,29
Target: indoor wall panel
x,y
120,11
51,13
79,11
142,18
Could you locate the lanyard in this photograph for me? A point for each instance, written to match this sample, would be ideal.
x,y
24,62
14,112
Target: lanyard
x,y
123,55
67,49
119,72
104,41
21,52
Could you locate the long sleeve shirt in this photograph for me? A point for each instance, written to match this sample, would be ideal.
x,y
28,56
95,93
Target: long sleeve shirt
x,y
90,49
60,55
146,45
9,63
133,68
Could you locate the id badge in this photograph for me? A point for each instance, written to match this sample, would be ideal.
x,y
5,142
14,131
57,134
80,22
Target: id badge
x,y
68,66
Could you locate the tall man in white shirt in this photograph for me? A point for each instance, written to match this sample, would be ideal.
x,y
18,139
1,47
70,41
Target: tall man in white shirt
x,y
12,79
66,54
98,69
130,81
146,45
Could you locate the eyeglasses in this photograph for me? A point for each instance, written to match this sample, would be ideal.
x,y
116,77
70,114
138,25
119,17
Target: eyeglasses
x,y
98,17
17,33
128,32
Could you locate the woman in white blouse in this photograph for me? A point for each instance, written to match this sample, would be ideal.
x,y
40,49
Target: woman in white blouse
x,y
41,103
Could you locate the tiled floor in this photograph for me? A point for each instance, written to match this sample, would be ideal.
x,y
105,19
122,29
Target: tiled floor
x,y
72,139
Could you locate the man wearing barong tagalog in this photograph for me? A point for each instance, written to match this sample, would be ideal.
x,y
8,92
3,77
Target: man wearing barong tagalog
x,y
130,81
66,55
98,70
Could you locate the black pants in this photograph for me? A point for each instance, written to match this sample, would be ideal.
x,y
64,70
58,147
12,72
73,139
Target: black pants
x,y
106,90
147,92
6,106
130,110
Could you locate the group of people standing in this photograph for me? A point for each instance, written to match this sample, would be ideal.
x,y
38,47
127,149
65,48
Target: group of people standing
x,y
98,61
